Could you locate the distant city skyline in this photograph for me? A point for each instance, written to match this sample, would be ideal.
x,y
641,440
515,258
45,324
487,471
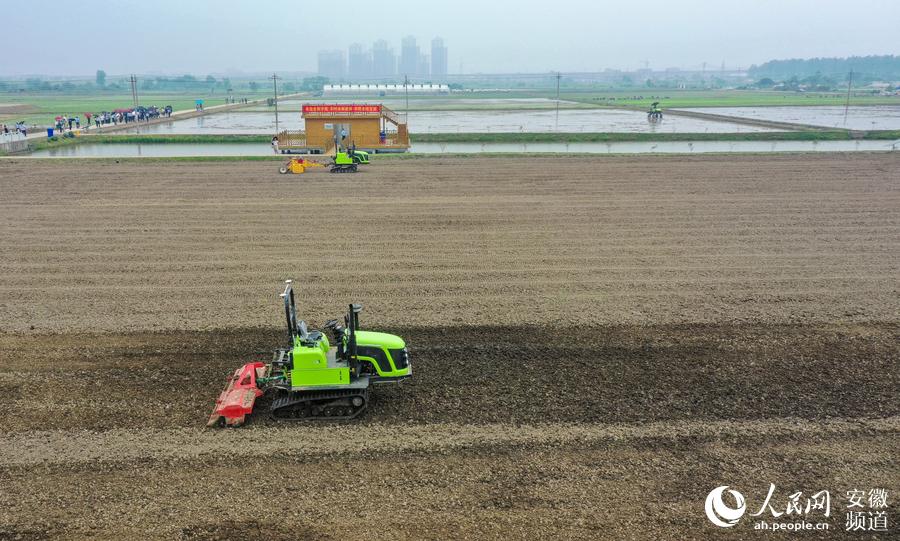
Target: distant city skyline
x,y
527,36
362,63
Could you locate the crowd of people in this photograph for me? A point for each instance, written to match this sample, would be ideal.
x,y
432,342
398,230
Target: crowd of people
x,y
107,118
19,128
67,122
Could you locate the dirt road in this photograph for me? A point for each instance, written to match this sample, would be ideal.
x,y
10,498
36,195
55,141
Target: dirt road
x,y
597,344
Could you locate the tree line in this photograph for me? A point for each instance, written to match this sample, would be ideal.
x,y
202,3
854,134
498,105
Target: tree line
x,y
208,84
865,68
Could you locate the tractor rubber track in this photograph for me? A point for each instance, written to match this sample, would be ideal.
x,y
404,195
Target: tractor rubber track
x,y
344,168
333,405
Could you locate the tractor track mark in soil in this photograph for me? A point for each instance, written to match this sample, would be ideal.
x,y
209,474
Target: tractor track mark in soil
x,y
518,492
650,239
524,375
68,450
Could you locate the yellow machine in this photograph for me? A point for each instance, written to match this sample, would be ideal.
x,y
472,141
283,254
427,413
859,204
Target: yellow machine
x,y
297,166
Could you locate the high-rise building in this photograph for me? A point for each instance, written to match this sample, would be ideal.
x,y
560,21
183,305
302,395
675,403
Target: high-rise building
x,y
422,65
438,59
332,64
384,61
381,63
409,57
359,63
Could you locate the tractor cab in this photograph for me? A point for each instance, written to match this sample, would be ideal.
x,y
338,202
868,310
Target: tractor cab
x,y
313,361
343,162
377,355
359,156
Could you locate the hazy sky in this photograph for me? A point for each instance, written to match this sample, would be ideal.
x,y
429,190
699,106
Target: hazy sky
x,y
215,36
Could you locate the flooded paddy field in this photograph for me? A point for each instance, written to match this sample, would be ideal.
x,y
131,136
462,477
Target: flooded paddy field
x,y
491,121
875,117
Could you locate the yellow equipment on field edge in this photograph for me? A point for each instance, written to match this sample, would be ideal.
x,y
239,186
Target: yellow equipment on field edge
x,y
297,166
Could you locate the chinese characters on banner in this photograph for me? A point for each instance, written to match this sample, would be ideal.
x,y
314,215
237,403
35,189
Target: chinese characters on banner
x,y
338,108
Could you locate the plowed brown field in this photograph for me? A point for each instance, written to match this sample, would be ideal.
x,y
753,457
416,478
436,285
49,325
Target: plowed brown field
x,y
597,343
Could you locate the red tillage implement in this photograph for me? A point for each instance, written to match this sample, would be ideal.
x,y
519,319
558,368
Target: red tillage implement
x,y
236,401
310,379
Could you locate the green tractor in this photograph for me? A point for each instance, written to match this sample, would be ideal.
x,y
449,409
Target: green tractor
x,y
347,161
655,113
311,379
343,163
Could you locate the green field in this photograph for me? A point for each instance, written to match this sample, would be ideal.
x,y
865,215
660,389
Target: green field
x,y
642,98
47,106
612,137
442,103
148,139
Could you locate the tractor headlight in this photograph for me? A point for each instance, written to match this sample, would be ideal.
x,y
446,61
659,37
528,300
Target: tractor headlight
x,y
401,358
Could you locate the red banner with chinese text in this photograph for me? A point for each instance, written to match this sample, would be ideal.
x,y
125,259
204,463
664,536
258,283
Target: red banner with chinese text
x,y
339,108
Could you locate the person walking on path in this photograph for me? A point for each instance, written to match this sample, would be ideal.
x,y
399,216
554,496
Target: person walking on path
x,y
275,144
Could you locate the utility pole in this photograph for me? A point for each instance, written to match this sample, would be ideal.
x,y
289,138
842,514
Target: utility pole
x,y
847,104
558,77
275,78
406,88
134,97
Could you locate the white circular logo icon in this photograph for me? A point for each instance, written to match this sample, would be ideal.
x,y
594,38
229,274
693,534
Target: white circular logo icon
x,y
720,513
